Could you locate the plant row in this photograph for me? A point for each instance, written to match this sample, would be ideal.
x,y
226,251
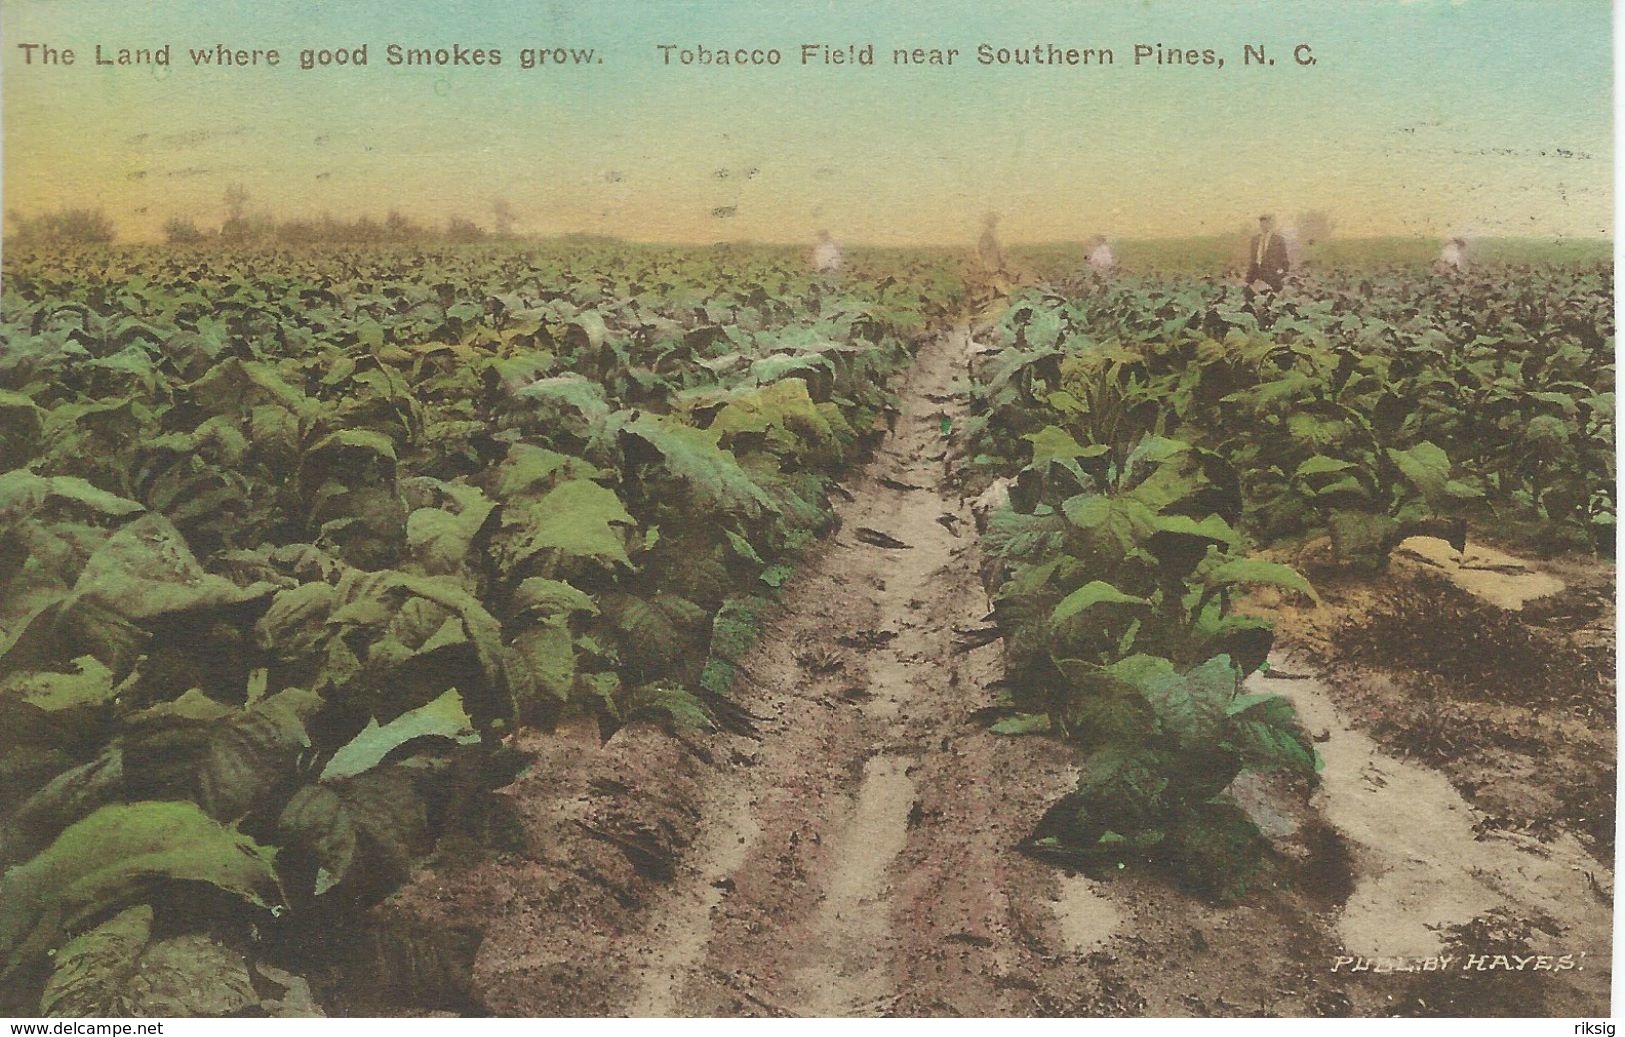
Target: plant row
x,y
290,544
1142,438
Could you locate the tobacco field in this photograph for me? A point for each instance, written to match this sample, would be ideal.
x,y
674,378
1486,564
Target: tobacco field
x,y
594,629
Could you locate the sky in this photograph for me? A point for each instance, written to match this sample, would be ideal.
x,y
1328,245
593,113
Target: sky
x,y
1418,117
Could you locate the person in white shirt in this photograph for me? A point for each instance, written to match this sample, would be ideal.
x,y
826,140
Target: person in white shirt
x,y
988,250
1453,257
1102,261
827,257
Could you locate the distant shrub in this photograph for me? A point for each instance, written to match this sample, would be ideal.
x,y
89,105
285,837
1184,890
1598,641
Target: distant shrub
x,y
65,226
462,229
179,230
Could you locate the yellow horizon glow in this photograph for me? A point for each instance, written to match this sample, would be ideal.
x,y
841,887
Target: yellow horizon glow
x,y
1423,119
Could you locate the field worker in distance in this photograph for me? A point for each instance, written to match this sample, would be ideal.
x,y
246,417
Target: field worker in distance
x,y
1453,257
1266,256
827,255
988,250
1102,261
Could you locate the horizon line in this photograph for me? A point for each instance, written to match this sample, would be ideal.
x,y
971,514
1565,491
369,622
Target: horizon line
x,y
494,239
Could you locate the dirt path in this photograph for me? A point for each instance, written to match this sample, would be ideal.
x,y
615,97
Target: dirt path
x,y
864,861
857,858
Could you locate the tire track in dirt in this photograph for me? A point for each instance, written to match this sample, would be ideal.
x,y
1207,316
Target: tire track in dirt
x,y
875,874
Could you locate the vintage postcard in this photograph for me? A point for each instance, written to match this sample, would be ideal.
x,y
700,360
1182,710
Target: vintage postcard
x,y
867,509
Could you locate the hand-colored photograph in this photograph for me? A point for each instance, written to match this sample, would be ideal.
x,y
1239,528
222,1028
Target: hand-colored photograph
x,y
700,508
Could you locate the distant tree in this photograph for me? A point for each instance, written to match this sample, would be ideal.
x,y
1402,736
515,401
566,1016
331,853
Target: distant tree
x,y
181,230
298,232
87,226
1315,225
399,227
503,215
246,227
237,227
236,202
461,229
366,230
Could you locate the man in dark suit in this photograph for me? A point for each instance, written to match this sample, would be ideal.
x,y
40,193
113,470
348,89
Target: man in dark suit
x,y
1266,256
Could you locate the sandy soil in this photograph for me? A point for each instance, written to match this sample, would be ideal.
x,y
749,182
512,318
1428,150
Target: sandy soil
x,y
857,857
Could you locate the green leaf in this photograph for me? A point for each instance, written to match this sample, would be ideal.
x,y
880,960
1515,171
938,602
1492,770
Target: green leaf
x,y
355,441
1361,537
1152,451
1140,669
1246,639
674,702
1023,724
782,412
145,570
1456,489
742,547
1053,442
235,385
1123,788
1316,432
316,820
657,634
113,970
91,685
1096,592
774,368
734,630
551,598
570,392
532,470
91,972
1180,543
439,541
775,576
693,457
735,627
1041,329
361,832
578,519
548,649
1346,487
588,329
1214,683
1216,850
20,426
1426,467
248,756
68,628
445,717
118,853
1180,713
1266,732
1115,525
65,799
1320,464
1212,528
22,491
1257,571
